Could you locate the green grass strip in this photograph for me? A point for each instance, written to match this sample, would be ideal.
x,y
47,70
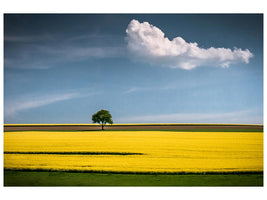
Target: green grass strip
x,y
20,178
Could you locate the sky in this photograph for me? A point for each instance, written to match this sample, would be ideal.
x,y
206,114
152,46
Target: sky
x,y
143,68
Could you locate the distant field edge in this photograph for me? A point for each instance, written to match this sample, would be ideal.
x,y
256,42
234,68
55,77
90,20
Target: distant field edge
x,y
136,127
140,124
133,172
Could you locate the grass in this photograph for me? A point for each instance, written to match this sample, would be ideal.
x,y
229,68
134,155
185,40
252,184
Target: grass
x,y
22,178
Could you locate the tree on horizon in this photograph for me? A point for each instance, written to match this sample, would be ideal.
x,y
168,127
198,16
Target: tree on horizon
x,y
102,117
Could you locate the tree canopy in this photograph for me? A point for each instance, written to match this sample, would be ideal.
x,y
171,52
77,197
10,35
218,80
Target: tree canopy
x,y
102,117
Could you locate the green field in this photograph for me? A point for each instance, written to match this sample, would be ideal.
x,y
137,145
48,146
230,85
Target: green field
x,y
21,178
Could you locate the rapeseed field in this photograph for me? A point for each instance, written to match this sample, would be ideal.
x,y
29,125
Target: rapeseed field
x,y
134,151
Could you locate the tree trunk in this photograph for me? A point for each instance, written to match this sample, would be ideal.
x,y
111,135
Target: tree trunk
x,y
102,126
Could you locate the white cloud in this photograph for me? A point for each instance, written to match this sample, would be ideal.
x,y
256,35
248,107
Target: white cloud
x,y
78,53
148,43
47,56
13,107
138,89
230,117
27,38
131,90
47,51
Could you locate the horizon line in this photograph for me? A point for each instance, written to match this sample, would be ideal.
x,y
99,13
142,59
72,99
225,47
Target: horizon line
x,y
132,124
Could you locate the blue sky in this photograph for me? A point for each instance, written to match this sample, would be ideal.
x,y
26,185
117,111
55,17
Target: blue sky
x,y
142,68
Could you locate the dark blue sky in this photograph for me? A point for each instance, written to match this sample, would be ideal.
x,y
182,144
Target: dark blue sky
x,y
63,68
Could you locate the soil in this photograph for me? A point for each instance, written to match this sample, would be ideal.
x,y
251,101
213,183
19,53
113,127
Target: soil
x,y
182,127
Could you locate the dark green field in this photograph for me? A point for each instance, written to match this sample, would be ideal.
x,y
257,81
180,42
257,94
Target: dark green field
x,y
21,178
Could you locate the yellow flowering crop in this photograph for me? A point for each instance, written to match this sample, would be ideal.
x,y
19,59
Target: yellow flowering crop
x,y
152,151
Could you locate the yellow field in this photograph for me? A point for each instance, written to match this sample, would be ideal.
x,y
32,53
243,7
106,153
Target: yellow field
x,y
162,151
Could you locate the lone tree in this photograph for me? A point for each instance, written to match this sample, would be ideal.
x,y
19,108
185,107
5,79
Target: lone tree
x,y
102,117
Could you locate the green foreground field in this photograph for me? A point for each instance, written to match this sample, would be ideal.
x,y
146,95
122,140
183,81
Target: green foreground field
x,y
22,178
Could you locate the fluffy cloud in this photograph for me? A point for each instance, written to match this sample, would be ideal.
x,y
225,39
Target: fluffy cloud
x,y
149,44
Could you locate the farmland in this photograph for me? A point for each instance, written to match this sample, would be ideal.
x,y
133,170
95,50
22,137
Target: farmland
x,y
181,154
